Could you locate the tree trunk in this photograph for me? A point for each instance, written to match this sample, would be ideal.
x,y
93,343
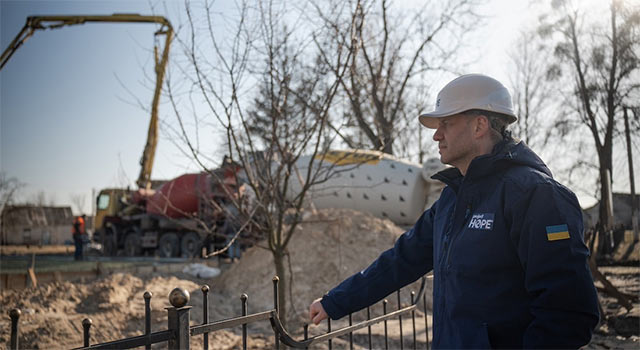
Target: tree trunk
x,y
634,209
606,205
605,199
388,146
278,259
387,138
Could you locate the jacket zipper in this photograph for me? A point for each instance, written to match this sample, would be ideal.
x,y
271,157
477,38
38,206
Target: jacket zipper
x,y
447,237
467,213
446,251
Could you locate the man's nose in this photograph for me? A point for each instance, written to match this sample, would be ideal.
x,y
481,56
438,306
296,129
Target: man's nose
x,y
437,136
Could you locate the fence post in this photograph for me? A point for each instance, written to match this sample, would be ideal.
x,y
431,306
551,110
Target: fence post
x,y
276,306
147,315
86,327
329,331
179,319
413,318
350,333
384,312
400,321
205,315
426,322
15,317
369,327
245,311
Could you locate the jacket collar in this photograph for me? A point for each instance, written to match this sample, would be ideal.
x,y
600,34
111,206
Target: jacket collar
x,y
505,153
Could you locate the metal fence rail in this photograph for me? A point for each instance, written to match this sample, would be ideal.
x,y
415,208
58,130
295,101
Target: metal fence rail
x,y
179,332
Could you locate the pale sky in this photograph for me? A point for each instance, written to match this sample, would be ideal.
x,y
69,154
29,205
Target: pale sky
x,y
69,122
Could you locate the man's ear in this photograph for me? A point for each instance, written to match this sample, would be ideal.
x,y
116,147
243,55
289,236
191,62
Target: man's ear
x,y
482,126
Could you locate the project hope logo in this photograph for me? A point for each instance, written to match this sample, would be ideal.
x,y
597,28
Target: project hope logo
x,y
481,222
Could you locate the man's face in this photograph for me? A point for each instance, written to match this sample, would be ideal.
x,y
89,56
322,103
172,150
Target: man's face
x,y
455,142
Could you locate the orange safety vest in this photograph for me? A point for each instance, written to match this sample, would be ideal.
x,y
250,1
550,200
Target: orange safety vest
x,y
78,226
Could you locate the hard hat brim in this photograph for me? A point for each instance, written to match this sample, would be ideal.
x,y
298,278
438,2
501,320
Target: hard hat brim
x,y
430,120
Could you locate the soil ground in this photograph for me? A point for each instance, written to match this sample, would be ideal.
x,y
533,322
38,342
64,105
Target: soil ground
x,y
36,249
330,246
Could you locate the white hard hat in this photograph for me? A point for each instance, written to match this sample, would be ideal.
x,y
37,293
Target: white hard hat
x,y
470,91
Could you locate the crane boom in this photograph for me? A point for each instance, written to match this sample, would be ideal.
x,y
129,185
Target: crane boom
x,y
53,22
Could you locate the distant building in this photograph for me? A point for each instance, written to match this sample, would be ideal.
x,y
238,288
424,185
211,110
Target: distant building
x,y
621,212
25,224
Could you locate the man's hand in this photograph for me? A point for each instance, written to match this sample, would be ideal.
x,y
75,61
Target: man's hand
x,y
316,312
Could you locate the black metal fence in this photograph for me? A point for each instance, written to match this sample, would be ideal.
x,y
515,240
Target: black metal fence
x,y
179,331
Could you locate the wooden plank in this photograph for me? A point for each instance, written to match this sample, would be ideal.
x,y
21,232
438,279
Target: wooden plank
x,y
32,277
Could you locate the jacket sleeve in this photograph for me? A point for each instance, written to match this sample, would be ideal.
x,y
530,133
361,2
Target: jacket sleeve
x,y
410,258
547,230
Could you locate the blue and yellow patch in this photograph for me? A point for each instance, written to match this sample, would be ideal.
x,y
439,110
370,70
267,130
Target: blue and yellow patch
x,y
557,232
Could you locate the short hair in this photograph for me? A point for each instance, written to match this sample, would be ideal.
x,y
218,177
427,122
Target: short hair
x,y
498,121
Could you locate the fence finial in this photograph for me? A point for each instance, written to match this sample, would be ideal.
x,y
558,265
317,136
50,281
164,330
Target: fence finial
x,y
179,297
86,326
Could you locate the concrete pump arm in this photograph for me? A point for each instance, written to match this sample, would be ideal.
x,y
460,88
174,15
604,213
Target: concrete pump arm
x,y
53,22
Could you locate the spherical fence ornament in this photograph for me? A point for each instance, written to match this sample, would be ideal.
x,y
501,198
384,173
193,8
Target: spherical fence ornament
x,y
179,297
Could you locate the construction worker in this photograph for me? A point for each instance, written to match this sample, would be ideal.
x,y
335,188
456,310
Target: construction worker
x,y
504,240
79,235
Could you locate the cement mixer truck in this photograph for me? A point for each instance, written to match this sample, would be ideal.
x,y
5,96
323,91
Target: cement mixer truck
x,y
183,216
179,217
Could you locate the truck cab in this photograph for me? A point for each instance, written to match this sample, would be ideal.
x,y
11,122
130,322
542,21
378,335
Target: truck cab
x,y
109,203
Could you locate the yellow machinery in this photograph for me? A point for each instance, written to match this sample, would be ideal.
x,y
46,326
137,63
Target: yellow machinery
x,y
108,204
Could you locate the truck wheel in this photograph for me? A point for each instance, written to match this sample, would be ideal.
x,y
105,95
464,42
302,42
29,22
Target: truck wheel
x,y
109,248
191,245
132,244
106,237
168,245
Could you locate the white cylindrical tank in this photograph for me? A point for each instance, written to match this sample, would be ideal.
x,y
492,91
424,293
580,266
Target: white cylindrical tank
x,y
369,181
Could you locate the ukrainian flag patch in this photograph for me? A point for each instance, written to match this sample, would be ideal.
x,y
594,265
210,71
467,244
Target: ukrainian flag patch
x,y
557,232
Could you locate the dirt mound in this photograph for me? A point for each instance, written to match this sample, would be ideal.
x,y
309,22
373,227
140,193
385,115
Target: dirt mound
x,y
52,314
55,297
328,247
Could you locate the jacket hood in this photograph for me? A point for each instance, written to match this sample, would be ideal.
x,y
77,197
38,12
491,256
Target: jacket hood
x,y
506,153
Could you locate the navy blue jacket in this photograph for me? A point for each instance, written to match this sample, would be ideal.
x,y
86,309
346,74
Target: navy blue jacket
x,y
510,264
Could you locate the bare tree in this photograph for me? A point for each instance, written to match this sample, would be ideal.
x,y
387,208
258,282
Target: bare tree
x,y
532,91
8,189
599,56
394,50
263,89
78,200
38,199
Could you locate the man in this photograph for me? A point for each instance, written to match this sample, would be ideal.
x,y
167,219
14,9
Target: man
x,y
79,235
504,239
